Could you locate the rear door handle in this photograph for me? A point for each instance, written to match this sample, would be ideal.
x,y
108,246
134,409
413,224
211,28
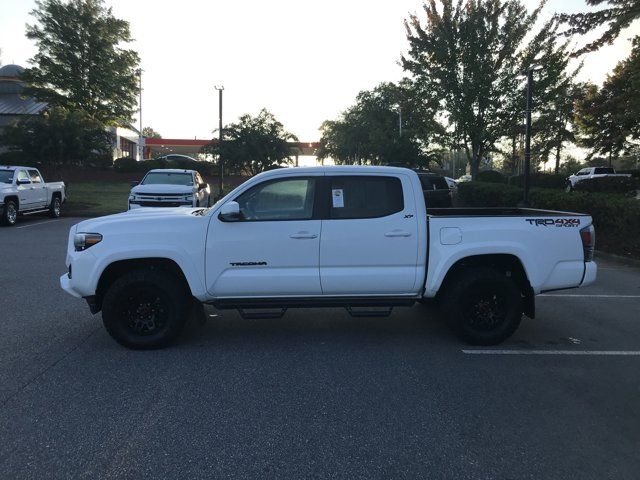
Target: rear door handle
x,y
303,235
397,233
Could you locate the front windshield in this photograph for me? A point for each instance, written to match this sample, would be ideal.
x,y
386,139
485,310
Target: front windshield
x,y
6,176
167,178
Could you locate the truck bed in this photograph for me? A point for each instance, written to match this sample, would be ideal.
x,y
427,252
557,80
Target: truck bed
x,y
497,212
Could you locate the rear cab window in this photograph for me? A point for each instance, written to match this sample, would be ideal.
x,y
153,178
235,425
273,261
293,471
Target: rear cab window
x,y
365,196
604,170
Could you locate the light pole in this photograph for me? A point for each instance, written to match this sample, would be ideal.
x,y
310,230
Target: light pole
x,y
141,136
527,142
220,89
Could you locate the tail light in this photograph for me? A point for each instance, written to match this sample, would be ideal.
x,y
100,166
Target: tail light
x,y
588,236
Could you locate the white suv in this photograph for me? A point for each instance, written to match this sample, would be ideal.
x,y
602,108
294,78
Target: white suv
x,y
170,188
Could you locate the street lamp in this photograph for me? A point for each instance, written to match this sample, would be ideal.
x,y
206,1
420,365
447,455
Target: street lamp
x,y
140,136
528,73
220,89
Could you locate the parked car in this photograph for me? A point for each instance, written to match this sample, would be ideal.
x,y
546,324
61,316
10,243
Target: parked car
x,y
591,172
464,178
170,188
357,237
435,188
23,192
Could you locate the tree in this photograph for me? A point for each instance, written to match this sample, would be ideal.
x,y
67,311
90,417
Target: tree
x,y
149,132
618,15
369,132
253,144
81,63
60,137
607,117
468,54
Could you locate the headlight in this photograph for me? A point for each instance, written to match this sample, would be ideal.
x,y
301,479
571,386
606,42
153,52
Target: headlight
x,y
82,241
132,197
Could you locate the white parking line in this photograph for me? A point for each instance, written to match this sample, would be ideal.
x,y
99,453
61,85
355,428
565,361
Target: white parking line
x,y
36,224
554,352
589,296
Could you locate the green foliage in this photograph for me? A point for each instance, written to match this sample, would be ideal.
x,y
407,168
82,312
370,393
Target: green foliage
x,y
149,132
618,15
368,133
491,176
607,117
253,144
616,218
543,180
61,137
469,55
615,185
81,63
129,165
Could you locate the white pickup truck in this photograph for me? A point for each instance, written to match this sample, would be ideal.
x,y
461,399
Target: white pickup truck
x,y
166,187
591,172
354,237
23,191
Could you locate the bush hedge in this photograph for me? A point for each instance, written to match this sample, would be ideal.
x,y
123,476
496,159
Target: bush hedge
x,y
543,180
129,165
491,176
614,185
616,218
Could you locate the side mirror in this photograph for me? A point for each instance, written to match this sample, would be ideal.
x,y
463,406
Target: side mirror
x,y
230,212
134,184
202,186
23,182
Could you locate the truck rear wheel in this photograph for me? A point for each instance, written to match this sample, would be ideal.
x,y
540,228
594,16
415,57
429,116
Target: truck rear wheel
x,y
145,309
483,305
55,209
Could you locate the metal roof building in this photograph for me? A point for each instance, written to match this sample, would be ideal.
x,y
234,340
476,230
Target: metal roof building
x,y
13,105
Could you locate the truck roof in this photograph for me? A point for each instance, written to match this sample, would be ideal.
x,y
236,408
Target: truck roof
x,y
347,169
172,170
11,167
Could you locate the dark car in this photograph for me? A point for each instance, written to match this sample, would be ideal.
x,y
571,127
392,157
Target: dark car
x,y
437,193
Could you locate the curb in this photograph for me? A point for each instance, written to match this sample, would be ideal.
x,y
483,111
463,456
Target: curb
x,y
632,262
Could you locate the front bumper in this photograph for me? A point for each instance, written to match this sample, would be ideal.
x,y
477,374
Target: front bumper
x,y
65,284
142,204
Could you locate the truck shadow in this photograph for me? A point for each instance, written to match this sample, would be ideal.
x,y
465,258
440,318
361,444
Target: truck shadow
x,y
424,323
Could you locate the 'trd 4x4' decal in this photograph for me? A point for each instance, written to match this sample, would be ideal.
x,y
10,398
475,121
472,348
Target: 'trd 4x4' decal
x,y
550,222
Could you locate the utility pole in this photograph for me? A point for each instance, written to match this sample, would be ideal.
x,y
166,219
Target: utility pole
x,y
140,136
527,141
220,89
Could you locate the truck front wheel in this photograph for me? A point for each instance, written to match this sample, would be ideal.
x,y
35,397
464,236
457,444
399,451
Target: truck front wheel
x,y
145,309
10,213
483,305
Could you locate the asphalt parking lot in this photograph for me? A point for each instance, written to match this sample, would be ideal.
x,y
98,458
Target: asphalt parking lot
x,y
316,394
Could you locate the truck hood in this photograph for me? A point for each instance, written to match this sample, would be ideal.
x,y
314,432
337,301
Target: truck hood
x,y
162,189
136,219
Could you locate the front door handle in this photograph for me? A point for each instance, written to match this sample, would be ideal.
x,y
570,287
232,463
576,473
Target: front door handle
x,y
303,235
397,233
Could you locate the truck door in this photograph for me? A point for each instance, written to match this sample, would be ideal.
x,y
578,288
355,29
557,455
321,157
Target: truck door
x,y
39,189
26,193
370,240
273,250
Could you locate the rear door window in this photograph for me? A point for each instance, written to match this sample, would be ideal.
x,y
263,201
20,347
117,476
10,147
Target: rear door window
x,y
365,197
35,176
604,170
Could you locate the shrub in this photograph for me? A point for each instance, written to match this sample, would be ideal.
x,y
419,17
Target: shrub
x,y
491,176
615,185
479,194
616,218
543,180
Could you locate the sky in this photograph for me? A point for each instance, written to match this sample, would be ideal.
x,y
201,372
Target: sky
x,y
305,61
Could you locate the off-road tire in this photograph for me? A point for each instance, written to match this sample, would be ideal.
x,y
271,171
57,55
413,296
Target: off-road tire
x,y
146,309
483,305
